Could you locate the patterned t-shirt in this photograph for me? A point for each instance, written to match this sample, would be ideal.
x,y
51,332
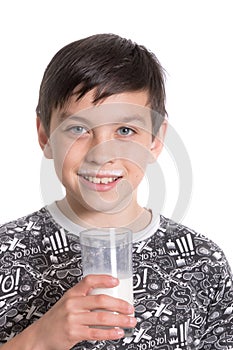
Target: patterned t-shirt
x,y
183,290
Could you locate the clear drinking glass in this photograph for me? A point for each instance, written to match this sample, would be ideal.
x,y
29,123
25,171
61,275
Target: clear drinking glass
x,y
109,251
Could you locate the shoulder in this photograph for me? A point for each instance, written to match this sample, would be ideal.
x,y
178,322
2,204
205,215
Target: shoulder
x,y
32,217
21,229
187,244
185,236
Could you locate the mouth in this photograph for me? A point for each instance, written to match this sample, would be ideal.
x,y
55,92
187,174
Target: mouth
x,y
100,182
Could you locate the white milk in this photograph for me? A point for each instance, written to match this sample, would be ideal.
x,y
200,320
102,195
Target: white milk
x,y
123,291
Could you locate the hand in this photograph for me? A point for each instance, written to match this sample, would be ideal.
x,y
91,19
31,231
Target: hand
x,y
68,321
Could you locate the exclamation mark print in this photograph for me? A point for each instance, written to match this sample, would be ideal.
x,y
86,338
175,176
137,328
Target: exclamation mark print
x,y
180,247
59,242
190,243
17,278
145,277
182,334
63,235
186,325
53,244
185,246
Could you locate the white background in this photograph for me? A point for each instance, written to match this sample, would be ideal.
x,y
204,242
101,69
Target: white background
x,y
193,41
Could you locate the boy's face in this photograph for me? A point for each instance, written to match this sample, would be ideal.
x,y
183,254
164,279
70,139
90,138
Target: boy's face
x,y
101,151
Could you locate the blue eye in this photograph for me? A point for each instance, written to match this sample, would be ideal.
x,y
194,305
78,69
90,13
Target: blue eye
x,y
78,130
125,131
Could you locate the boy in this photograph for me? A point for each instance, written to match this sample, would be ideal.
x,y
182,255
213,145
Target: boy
x,y
101,118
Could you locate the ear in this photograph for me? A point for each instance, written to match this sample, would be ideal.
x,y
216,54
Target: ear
x,y
43,139
158,142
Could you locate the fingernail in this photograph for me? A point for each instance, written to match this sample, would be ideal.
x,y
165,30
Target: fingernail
x,y
115,280
130,309
120,332
132,320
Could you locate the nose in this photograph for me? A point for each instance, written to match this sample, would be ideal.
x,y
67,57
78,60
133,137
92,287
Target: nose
x,y
103,148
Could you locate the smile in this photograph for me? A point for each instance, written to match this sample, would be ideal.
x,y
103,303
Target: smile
x,y
100,180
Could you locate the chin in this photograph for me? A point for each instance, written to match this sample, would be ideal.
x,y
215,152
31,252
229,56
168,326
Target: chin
x,y
111,202
106,202
108,207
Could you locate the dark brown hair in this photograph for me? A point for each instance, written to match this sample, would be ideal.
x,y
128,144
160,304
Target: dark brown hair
x,y
107,62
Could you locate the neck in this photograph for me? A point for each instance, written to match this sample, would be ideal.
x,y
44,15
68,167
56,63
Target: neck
x,y
133,216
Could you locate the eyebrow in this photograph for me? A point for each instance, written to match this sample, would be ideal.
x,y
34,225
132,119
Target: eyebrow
x,y
124,119
63,115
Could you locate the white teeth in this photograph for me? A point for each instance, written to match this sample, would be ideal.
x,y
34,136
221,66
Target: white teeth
x,y
100,180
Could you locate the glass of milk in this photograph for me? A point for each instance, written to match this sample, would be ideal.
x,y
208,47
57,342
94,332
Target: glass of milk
x,y
109,251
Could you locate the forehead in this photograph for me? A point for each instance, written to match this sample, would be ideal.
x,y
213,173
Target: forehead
x,y
129,107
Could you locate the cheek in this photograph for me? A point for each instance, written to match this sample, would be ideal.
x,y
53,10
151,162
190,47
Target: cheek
x,y
135,174
138,154
66,158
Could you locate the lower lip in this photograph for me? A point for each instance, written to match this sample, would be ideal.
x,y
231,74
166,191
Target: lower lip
x,y
99,187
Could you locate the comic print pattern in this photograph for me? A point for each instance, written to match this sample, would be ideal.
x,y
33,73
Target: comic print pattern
x,y
183,291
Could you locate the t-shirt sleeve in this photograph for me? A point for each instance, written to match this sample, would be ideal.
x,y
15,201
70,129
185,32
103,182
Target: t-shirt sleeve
x,y
218,332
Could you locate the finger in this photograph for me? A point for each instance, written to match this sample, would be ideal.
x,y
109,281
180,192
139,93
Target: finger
x,y
94,281
107,319
107,302
104,334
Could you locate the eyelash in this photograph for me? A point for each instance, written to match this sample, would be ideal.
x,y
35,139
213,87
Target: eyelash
x,y
132,131
86,130
72,129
